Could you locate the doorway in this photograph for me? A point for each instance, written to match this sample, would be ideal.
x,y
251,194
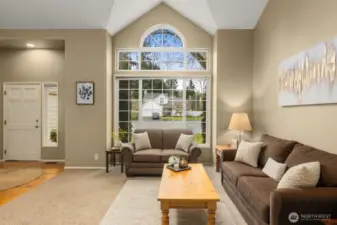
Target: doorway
x,y
22,121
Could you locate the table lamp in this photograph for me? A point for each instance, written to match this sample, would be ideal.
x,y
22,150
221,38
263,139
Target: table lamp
x,y
240,122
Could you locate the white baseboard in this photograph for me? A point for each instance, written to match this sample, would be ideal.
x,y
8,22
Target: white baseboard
x,y
83,168
52,160
2,160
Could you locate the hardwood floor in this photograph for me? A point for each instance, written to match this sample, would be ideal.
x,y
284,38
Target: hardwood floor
x,y
49,171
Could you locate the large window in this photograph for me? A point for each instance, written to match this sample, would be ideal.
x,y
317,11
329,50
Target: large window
x,y
163,103
162,48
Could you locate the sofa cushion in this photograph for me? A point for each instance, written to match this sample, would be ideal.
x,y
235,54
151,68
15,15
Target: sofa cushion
x,y
166,153
274,169
147,155
248,153
234,170
276,148
256,191
155,136
184,142
171,136
141,141
305,175
303,154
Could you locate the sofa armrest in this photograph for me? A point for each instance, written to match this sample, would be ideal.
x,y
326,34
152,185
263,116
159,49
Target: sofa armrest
x,y
127,151
308,203
194,153
228,155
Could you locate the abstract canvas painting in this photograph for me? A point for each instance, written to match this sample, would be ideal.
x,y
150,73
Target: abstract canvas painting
x,y
85,93
309,77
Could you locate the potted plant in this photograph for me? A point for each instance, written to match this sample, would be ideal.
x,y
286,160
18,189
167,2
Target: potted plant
x,y
118,137
53,135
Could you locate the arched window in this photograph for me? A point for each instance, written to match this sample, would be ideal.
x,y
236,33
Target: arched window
x,y
162,48
162,36
163,99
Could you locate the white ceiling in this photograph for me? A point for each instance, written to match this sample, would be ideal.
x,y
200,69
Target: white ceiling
x,y
114,15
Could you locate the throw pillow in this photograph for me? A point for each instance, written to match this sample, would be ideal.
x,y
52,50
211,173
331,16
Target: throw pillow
x,y
184,142
141,141
274,170
276,148
248,152
301,176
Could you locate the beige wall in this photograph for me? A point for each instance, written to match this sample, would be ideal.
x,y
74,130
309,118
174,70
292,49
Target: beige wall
x,y
38,66
130,37
85,60
233,70
195,37
287,27
109,88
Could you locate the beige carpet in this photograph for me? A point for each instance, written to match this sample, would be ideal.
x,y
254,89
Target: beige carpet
x,y
83,197
75,197
137,204
12,177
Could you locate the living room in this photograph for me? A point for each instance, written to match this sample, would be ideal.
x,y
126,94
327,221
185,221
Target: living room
x,y
101,74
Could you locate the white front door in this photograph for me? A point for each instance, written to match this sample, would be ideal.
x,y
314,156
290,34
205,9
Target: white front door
x,y
22,119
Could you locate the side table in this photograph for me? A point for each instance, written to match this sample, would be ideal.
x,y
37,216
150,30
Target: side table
x,y
219,149
111,156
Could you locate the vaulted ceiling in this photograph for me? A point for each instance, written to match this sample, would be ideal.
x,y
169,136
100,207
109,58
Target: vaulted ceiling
x,y
114,15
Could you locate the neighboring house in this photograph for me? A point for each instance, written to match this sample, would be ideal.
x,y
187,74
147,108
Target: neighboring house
x,y
151,106
160,103
153,103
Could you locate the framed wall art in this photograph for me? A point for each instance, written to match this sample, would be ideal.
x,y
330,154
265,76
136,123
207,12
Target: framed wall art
x,y
310,77
85,93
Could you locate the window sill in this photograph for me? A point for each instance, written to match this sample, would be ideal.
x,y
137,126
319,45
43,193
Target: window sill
x,y
204,145
50,146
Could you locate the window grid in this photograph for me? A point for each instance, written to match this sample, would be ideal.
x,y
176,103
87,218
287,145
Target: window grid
x,y
136,62
136,116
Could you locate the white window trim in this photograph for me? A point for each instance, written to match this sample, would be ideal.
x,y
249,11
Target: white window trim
x,y
44,114
207,143
162,26
183,50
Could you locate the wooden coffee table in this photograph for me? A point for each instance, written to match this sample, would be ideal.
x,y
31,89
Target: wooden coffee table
x,y
187,189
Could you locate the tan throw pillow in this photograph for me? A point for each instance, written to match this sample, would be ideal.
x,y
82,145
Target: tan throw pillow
x,y
248,153
141,141
274,170
184,142
305,175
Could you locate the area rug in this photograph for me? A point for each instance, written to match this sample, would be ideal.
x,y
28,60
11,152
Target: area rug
x,y
74,197
137,204
13,177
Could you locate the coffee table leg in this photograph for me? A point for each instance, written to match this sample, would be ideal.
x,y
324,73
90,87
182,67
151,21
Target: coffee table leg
x,y
211,213
165,220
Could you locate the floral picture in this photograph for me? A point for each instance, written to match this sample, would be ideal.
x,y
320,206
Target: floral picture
x,y
85,93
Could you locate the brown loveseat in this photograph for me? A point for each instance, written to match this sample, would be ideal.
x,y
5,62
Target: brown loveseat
x,y
257,198
151,161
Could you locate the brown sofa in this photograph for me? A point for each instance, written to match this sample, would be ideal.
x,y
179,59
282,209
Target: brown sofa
x,y
151,161
256,196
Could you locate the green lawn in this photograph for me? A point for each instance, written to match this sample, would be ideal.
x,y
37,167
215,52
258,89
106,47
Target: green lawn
x,y
198,138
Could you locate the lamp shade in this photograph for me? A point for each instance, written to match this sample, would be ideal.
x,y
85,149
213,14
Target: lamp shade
x,y
240,122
